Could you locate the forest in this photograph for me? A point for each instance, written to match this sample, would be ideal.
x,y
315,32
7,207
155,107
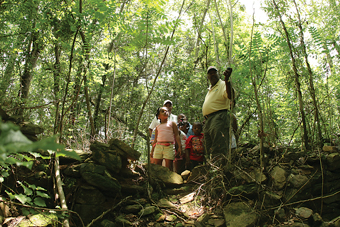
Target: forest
x,y
93,70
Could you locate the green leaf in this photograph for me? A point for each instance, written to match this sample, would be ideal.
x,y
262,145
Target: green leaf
x,y
23,198
41,189
43,195
39,202
25,212
27,191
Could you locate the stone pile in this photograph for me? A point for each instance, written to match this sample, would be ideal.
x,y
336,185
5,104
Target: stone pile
x,y
109,187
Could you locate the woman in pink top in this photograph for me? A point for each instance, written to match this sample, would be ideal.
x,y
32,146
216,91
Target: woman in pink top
x,y
165,135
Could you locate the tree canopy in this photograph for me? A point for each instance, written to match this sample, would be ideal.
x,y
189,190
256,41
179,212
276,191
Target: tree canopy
x,y
94,69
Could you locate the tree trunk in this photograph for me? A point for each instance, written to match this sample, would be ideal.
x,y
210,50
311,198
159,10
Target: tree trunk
x,y
30,63
311,83
99,98
56,76
259,108
68,80
215,45
297,82
200,29
221,23
231,33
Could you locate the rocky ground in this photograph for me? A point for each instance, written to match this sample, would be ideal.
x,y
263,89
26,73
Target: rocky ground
x,y
109,187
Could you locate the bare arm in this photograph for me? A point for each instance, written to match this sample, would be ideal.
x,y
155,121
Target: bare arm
x,y
228,88
178,140
156,135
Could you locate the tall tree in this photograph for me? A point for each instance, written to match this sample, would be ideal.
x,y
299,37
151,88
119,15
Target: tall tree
x,y
296,79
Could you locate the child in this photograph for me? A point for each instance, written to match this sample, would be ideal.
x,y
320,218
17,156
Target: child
x,y
179,163
164,140
194,147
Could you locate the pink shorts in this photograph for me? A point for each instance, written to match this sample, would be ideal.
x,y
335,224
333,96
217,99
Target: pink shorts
x,y
166,152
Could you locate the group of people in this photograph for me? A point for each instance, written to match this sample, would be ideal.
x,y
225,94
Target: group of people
x,y
184,146
175,140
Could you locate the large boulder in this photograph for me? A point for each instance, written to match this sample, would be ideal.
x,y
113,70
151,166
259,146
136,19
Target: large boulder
x,y
165,175
106,157
96,175
129,151
332,161
90,195
278,177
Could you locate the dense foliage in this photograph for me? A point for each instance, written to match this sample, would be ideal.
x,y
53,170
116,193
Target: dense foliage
x,y
99,69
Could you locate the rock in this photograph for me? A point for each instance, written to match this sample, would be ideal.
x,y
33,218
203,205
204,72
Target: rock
x,y
330,148
93,168
239,215
122,220
89,195
164,203
105,183
317,220
177,191
258,176
165,175
98,146
130,153
64,160
297,181
279,177
41,220
333,160
170,218
109,158
132,189
201,220
216,222
30,130
147,210
128,173
73,171
280,214
160,217
187,198
97,176
134,209
185,174
303,212
271,198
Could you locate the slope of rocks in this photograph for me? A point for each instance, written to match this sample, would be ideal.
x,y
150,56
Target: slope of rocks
x,y
109,187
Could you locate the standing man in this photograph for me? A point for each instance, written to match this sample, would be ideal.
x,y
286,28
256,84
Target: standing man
x,y
155,121
215,110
